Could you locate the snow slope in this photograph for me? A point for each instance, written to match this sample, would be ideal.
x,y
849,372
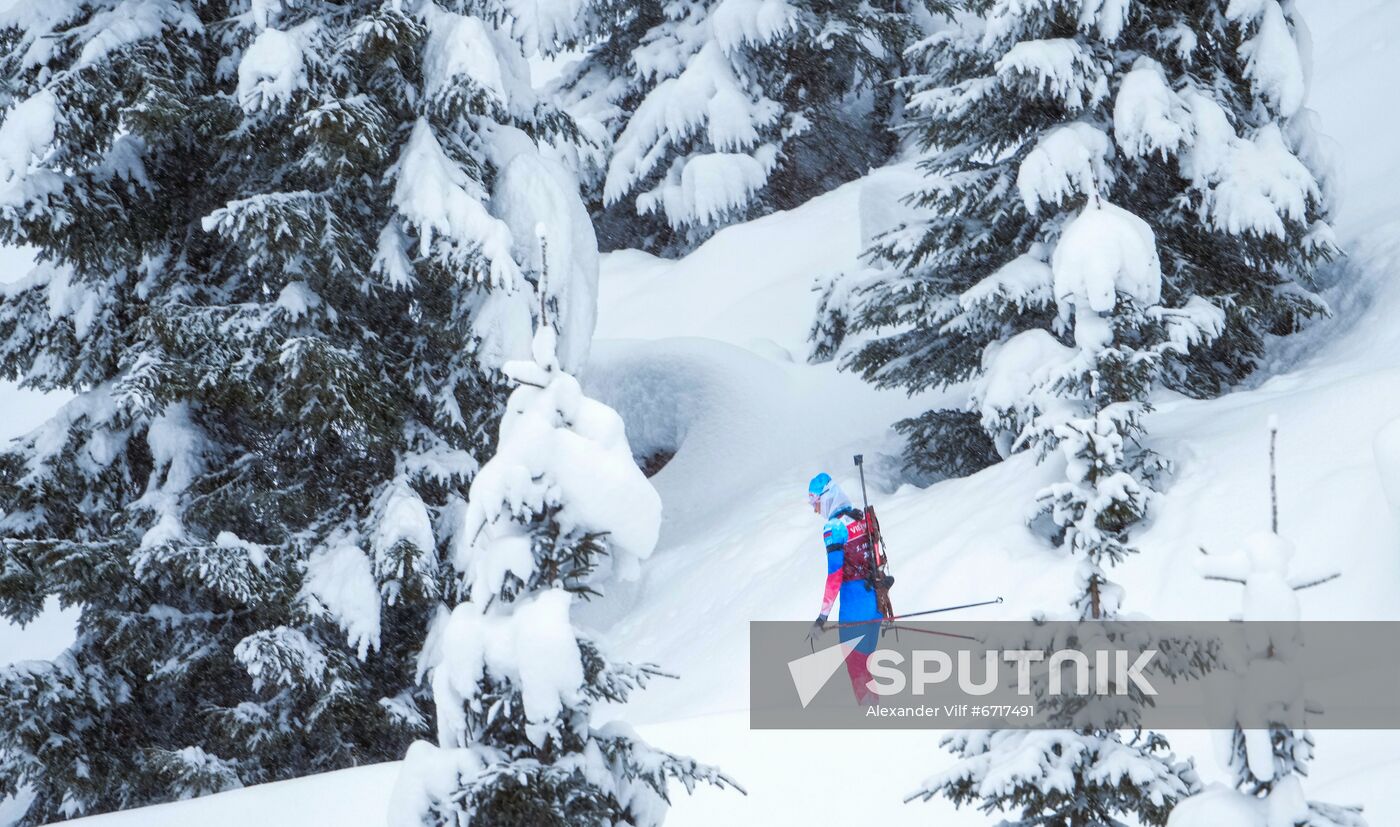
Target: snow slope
x,y
681,358
752,277
356,796
1333,391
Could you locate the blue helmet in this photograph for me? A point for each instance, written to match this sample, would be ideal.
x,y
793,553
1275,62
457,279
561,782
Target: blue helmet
x,y
818,485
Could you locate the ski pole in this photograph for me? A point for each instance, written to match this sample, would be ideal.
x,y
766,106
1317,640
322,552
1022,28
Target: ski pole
x,y
947,609
917,614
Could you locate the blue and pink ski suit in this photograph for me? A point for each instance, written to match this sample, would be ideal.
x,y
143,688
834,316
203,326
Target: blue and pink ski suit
x,y
847,542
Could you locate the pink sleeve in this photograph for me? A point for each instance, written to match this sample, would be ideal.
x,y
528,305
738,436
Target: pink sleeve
x,y
833,585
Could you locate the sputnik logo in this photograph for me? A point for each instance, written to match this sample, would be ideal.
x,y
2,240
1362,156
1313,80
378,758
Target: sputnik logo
x,y
811,672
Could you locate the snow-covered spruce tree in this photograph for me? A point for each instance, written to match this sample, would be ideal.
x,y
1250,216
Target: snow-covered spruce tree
x,y
1081,403
1067,340
284,249
1188,115
560,505
707,112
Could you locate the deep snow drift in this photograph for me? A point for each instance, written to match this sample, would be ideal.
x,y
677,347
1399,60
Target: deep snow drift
x,y
705,358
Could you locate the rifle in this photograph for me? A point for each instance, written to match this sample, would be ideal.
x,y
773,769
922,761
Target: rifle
x,y
877,569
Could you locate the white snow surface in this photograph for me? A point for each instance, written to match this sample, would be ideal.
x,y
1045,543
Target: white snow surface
x,y
1103,252
1219,806
349,797
533,646
537,198
1147,116
271,70
340,581
1067,160
437,198
752,285
749,424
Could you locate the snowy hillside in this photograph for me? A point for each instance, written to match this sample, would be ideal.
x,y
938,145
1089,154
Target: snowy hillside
x,y
704,358
1333,391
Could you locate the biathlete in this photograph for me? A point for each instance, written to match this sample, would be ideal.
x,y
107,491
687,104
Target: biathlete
x,y
846,537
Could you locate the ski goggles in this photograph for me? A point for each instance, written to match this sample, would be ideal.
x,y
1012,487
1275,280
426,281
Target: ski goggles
x,y
813,499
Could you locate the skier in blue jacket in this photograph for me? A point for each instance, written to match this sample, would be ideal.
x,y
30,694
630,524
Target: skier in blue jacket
x,y
847,540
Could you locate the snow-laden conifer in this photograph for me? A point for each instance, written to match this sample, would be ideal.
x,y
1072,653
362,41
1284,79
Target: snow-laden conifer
x,y
284,249
707,112
1123,200
1079,406
1191,120
559,506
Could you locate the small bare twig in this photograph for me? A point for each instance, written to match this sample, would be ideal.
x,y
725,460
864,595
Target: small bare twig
x,y
1273,474
1318,582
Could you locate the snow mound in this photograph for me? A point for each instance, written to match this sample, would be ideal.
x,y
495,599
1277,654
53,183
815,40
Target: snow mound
x,y
704,402
1218,806
1104,251
358,797
533,647
756,278
271,70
